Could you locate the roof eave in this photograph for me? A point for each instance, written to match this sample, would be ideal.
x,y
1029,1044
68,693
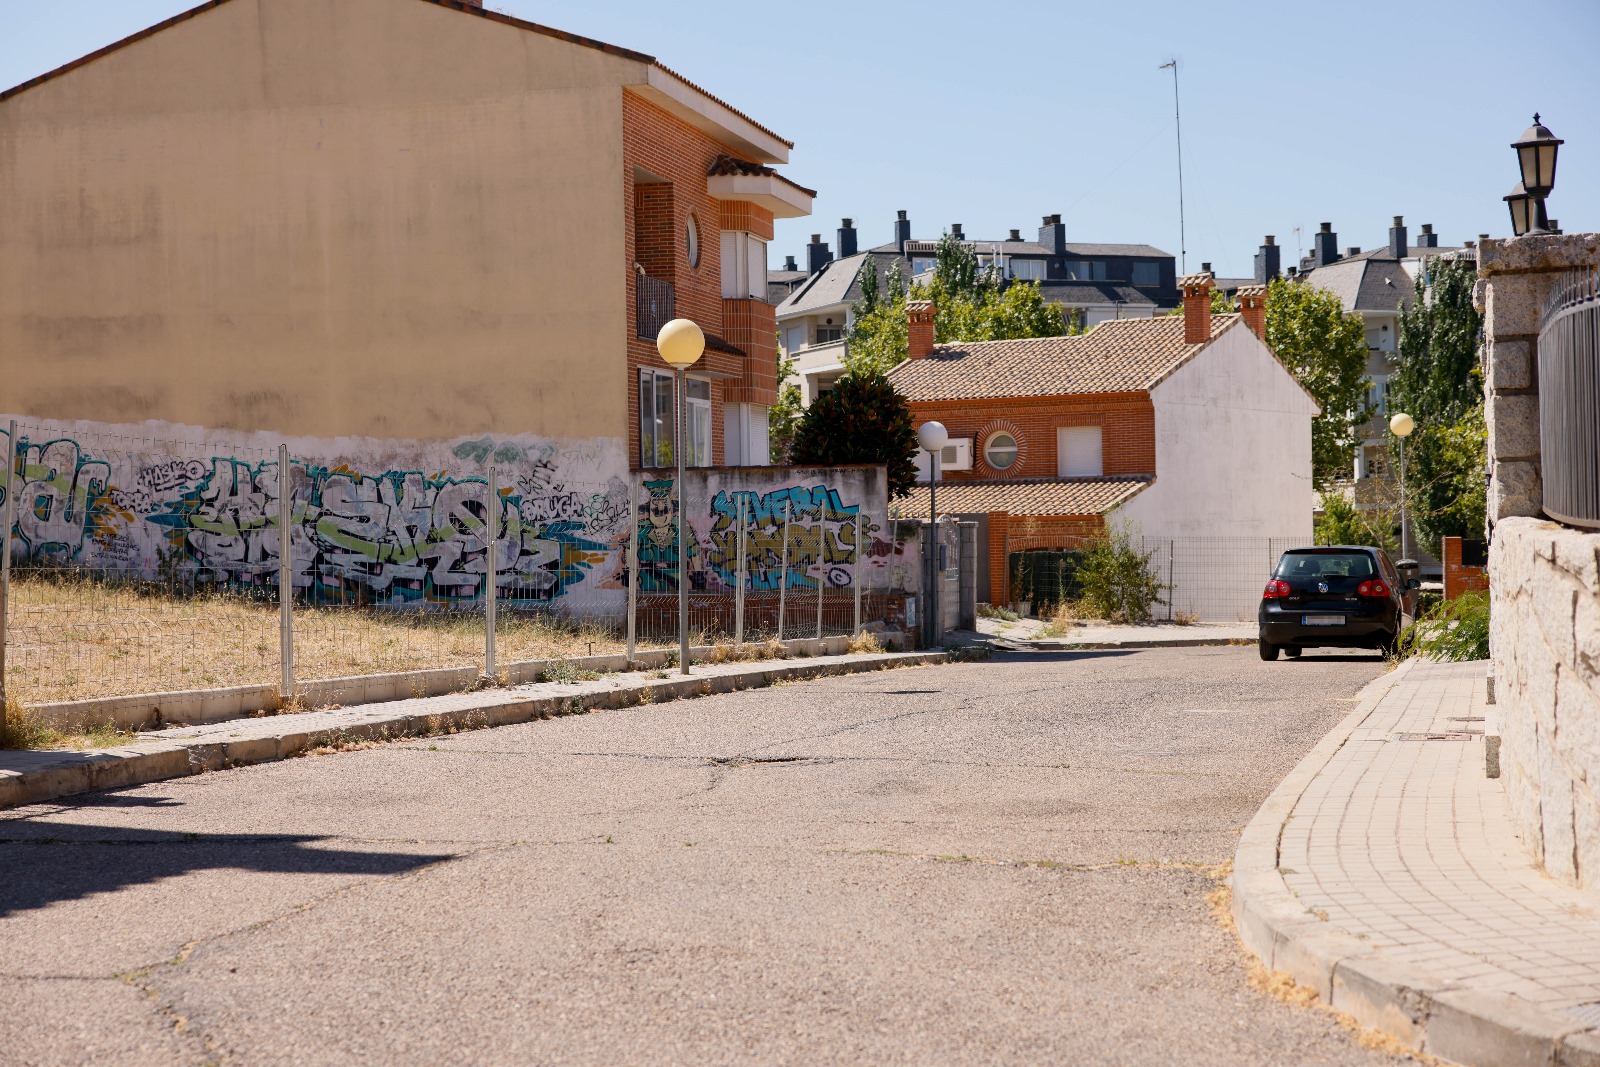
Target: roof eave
x,y
679,96
783,198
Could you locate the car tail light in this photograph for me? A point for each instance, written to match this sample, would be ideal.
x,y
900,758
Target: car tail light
x,y
1372,587
1276,589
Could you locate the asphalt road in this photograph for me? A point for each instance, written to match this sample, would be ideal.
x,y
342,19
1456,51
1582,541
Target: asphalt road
x,y
996,862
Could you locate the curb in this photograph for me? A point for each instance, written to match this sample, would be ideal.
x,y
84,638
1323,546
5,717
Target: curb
x,y
1443,1018
58,774
1062,645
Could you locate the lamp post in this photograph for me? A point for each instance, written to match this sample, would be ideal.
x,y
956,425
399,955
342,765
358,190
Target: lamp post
x,y
932,436
1401,426
1536,156
681,343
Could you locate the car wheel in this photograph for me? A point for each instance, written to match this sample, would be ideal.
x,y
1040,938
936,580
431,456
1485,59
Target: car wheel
x,y
1269,652
1292,651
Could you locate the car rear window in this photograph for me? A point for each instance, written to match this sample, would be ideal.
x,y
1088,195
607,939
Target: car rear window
x,y
1325,565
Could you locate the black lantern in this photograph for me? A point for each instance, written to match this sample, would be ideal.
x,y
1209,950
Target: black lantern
x,y
1521,205
1536,152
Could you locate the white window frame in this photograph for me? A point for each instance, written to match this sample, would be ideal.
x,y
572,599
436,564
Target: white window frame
x,y
989,450
697,420
744,265
1078,468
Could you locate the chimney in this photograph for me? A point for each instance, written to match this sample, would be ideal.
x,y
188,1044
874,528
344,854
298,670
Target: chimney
x,y
1015,235
955,231
1205,268
1253,306
847,238
817,254
1325,249
1053,235
1397,239
1268,263
902,230
1427,238
1352,252
919,329
1293,273
1197,307
789,263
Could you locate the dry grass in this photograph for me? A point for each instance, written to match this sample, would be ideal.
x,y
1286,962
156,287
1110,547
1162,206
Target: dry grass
x,y
865,642
74,638
18,730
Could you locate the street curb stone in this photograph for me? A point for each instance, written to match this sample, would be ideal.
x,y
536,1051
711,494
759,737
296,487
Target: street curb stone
x,y
1468,1026
1063,645
45,775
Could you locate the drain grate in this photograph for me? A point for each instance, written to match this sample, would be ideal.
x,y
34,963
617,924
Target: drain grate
x,y
1586,1013
1438,735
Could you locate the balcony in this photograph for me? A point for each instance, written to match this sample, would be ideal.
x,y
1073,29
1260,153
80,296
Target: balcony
x,y
656,301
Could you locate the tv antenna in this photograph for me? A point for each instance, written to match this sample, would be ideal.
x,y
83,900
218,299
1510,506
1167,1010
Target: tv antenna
x,y
1183,250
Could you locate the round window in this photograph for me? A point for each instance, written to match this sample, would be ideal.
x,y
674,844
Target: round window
x,y
692,241
1000,451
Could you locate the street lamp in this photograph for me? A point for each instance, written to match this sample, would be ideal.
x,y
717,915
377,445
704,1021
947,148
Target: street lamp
x,y
1536,156
1520,204
1401,426
681,343
932,436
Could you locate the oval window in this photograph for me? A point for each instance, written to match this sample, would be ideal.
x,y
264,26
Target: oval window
x,y
1000,451
692,241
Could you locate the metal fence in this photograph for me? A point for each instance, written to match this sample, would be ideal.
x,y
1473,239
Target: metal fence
x,y
1569,400
141,566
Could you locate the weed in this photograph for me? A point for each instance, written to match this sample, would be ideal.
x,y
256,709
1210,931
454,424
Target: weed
x,y
19,730
1454,631
609,841
1004,614
671,659
1185,618
566,672
966,653
865,642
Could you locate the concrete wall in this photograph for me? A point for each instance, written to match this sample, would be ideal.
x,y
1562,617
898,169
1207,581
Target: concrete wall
x,y
1544,578
367,217
1233,448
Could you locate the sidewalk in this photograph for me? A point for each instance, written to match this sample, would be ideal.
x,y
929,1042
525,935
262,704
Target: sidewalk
x,y
31,777
1384,874
1026,633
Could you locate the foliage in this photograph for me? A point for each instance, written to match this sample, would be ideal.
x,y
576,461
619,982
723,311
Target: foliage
x,y
784,417
1455,631
860,420
1343,523
1046,577
1327,351
1117,581
973,304
1437,382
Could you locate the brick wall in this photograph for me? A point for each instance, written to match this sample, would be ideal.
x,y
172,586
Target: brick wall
x,y
1459,577
1127,424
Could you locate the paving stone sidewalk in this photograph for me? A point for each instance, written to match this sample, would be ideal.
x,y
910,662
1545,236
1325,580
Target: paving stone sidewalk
x,y
30,777
1384,873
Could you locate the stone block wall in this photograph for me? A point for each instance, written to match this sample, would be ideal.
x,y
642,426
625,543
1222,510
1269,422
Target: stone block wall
x,y
1544,578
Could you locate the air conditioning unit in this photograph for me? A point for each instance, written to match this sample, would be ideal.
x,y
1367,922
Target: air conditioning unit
x,y
956,456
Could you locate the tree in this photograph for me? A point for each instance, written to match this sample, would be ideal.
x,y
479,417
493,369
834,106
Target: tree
x,y
784,416
1343,523
1327,351
860,420
1438,383
869,287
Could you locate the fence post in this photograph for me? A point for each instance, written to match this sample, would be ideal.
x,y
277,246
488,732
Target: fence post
x,y
1172,563
633,567
822,565
783,572
491,572
740,577
855,578
285,577
5,557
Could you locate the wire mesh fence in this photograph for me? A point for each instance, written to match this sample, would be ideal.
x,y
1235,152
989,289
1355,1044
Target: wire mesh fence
x,y
141,566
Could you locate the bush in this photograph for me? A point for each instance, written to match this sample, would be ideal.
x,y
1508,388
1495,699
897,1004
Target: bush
x,y
1046,577
1117,581
1454,631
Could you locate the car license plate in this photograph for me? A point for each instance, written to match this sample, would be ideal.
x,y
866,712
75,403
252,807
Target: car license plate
x,y
1322,620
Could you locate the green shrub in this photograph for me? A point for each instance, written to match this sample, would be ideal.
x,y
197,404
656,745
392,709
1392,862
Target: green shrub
x,y
1116,580
1046,577
1454,631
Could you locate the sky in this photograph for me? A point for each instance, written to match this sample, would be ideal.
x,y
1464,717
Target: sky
x,y
993,115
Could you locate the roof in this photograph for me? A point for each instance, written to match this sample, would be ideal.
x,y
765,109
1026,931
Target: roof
x,y
1033,248
1116,356
833,284
1056,496
734,165
1083,294
454,5
1364,283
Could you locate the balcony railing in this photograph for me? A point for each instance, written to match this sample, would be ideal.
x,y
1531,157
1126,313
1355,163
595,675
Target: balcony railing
x,y
656,301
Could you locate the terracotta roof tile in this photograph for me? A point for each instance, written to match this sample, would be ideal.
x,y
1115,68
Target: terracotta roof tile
x,y
733,165
1071,496
1117,356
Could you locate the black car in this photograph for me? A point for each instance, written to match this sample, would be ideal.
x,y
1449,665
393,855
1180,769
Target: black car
x,y
1340,596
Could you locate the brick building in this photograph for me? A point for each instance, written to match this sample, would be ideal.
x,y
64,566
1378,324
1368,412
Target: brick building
x,y
1183,426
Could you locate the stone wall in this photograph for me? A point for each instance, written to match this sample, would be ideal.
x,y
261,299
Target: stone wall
x,y
1544,578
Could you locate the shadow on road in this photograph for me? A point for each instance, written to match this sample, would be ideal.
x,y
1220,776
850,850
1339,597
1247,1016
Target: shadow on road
x,y
49,862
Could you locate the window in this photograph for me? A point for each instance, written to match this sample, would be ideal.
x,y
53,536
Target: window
x,y
692,240
698,417
744,266
829,334
1146,274
1027,270
922,265
1378,395
1000,451
1093,270
656,415
1078,452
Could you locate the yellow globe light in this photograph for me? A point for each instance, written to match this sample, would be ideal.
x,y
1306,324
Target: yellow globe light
x,y
1402,425
681,343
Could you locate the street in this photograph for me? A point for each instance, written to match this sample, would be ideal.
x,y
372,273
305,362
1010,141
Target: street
x,y
1004,861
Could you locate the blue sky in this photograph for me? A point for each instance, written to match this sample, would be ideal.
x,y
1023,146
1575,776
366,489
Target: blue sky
x,y
993,115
